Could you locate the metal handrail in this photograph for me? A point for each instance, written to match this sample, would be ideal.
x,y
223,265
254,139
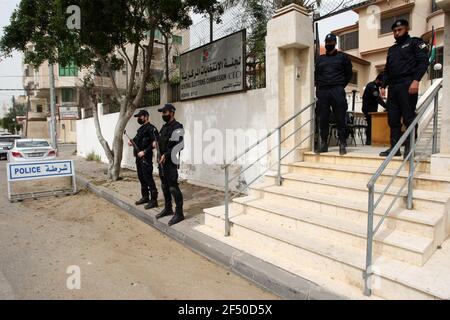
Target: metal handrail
x,y
226,166
410,132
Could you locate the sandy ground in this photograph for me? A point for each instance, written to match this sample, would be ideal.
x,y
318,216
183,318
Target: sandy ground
x,y
119,256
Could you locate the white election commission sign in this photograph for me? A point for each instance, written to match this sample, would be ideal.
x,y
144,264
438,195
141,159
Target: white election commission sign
x,y
215,68
40,170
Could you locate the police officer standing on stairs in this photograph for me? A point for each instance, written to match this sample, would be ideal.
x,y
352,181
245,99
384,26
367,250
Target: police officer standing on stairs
x,y
371,100
170,144
407,62
332,74
145,141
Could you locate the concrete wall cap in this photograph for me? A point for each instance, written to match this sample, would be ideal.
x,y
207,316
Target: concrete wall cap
x,y
289,8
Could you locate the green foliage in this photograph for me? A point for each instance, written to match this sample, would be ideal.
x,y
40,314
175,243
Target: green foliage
x,y
92,156
257,14
105,26
9,121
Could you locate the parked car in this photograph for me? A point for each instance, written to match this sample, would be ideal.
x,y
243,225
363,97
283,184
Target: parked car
x,y
6,143
28,150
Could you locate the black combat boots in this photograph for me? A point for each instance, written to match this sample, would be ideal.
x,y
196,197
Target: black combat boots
x,y
178,217
153,203
323,148
342,148
388,151
167,211
141,201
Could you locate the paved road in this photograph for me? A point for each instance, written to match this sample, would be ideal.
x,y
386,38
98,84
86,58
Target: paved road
x,y
118,256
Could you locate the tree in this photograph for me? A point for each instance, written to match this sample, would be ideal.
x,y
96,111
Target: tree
x,y
9,121
107,27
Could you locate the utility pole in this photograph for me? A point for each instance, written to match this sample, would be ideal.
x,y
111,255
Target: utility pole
x,y
53,135
211,26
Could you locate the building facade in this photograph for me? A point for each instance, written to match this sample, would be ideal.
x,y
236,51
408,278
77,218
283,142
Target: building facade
x,y
69,84
368,41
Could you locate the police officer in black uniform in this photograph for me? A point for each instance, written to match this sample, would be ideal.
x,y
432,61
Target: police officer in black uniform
x,y
371,100
170,144
332,74
145,141
407,62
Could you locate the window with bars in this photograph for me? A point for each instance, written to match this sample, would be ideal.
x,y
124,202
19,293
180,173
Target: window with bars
x,y
349,41
434,6
68,95
177,39
354,79
70,70
387,22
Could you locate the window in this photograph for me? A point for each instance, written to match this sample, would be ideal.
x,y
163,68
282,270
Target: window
x,y
175,59
349,41
32,144
387,22
68,95
158,34
70,70
434,74
434,6
354,79
39,108
177,39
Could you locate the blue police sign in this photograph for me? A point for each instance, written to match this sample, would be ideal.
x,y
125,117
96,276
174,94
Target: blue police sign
x,y
39,170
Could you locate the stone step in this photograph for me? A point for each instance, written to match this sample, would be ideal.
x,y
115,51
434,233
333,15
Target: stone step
x,y
391,242
360,159
300,253
422,199
423,223
423,181
338,229
345,290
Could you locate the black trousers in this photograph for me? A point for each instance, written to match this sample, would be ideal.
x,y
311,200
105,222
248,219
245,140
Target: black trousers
x,y
400,105
169,185
333,98
369,124
145,175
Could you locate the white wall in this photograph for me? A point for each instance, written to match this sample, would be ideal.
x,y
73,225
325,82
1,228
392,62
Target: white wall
x,y
244,111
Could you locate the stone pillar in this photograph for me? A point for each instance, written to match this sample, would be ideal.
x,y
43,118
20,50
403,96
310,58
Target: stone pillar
x,y
289,72
440,162
166,93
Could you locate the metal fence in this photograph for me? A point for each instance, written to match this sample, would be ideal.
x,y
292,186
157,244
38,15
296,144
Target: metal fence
x,y
152,97
175,90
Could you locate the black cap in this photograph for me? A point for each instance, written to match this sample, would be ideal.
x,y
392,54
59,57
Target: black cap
x,y
167,107
330,37
399,23
380,76
141,113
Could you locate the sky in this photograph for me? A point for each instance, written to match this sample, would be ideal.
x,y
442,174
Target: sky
x,y
11,68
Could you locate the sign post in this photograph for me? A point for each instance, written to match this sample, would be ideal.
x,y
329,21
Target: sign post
x,y
215,68
40,170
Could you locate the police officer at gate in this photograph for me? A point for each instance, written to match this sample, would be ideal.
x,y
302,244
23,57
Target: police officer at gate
x,y
145,142
371,100
407,62
170,144
332,74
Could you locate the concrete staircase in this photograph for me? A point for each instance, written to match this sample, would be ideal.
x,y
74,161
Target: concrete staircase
x,y
314,226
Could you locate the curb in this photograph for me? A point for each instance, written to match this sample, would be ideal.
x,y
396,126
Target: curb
x,y
266,275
